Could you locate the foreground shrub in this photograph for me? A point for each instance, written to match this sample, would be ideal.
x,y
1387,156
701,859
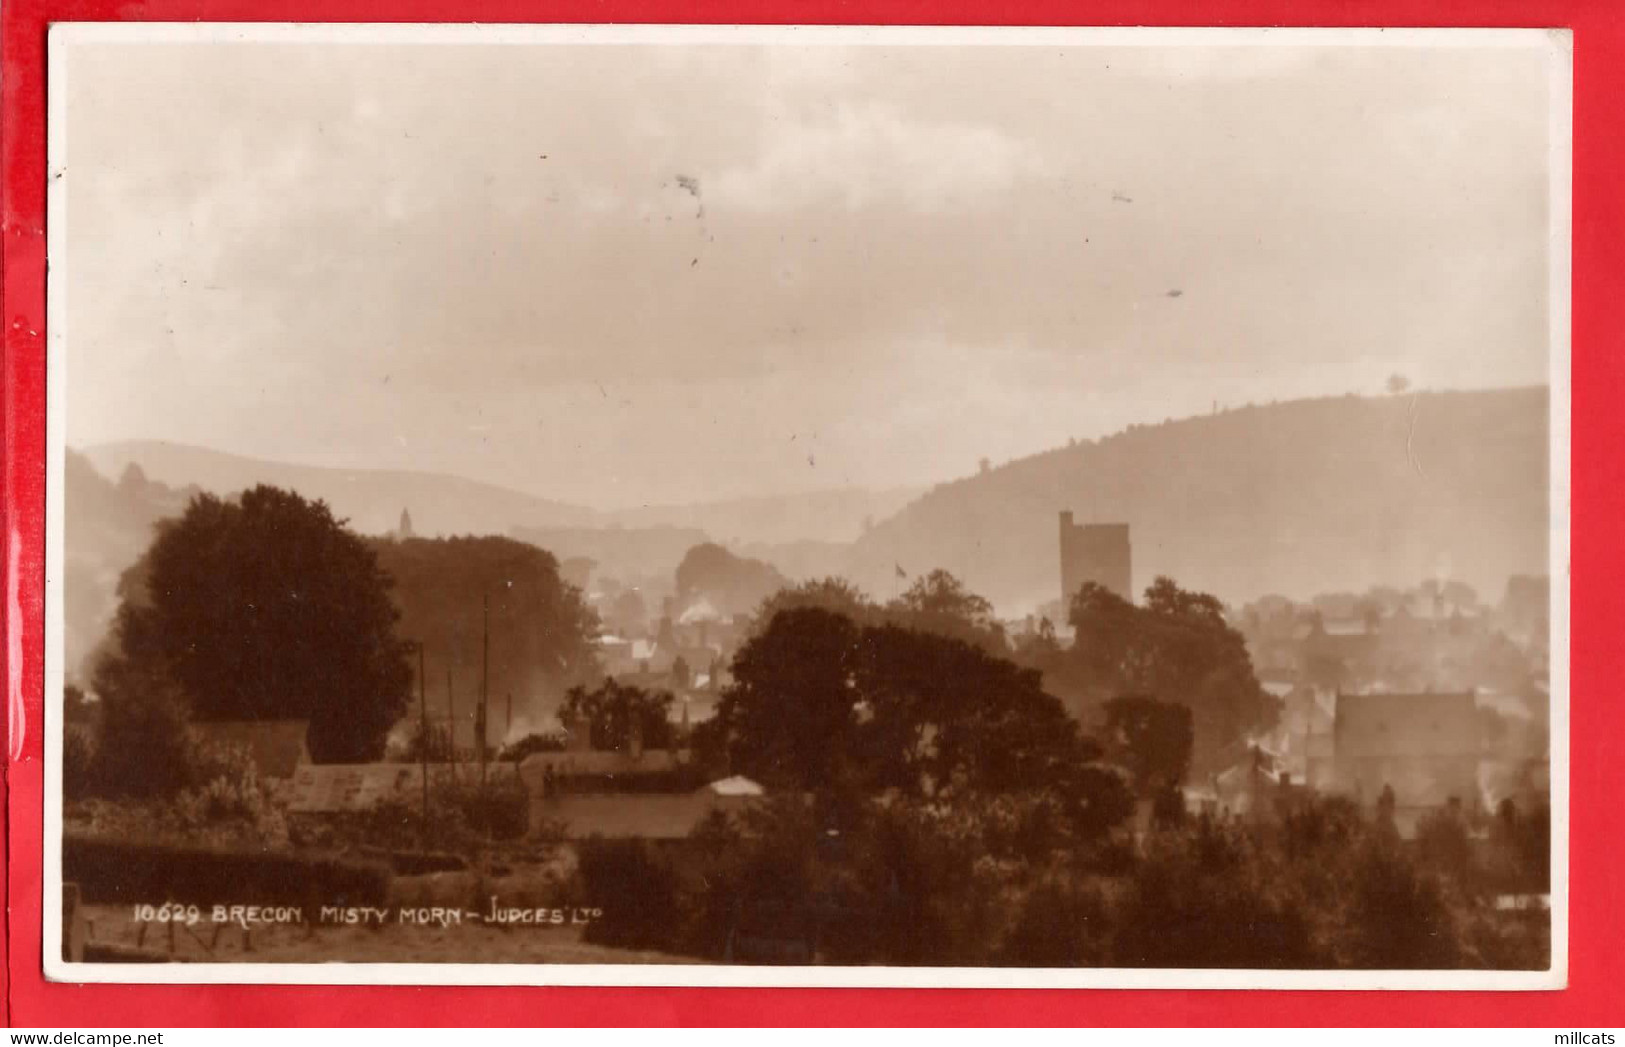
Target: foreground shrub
x,y
638,890
144,748
516,751
1059,923
1400,917
78,764
1202,899
462,821
1510,940
230,792
500,811
127,871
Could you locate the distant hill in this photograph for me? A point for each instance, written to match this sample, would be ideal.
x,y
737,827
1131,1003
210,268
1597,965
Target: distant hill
x,y
371,499
630,555
833,515
443,504
799,561
1297,498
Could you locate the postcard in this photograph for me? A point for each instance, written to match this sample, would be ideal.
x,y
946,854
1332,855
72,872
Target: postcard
x,y
735,505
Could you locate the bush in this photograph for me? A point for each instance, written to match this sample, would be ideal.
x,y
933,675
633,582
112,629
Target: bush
x,y
1204,899
1509,941
462,822
145,748
637,889
1443,846
1059,924
500,812
1531,840
230,792
1399,919
123,871
78,764
516,751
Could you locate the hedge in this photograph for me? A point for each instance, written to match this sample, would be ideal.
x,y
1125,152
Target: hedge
x,y
120,871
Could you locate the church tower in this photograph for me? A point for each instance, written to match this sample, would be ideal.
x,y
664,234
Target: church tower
x,y
405,530
1098,553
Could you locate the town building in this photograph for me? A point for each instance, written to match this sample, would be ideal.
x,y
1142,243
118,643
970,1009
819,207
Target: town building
x,y
1337,652
1424,747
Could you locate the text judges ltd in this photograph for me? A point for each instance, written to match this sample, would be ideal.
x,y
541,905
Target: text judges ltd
x,y
434,916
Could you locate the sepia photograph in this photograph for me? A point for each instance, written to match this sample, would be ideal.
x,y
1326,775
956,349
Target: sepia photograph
x,y
807,506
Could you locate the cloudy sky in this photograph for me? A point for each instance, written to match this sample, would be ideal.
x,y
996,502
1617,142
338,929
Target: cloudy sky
x,y
618,275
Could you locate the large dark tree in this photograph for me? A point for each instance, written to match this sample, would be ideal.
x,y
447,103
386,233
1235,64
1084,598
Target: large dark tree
x,y
943,714
1152,739
450,590
790,718
936,602
939,602
268,608
830,594
940,593
821,704
1176,647
733,584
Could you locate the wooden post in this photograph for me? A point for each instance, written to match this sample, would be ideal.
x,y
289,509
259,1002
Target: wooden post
x,y
74,925
423,746
451,725
485,695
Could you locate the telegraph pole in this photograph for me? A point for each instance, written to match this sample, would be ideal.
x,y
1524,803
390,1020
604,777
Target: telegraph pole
x,y
451,726
485,693
423,737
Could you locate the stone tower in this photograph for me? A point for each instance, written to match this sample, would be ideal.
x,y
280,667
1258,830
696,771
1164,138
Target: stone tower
x,y
1098,553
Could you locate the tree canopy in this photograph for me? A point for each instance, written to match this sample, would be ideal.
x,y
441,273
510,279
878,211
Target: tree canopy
x,y
1152,739
939,602
266,608
831,594
790,719
733,584
823,704
1177,647
541,630
614,712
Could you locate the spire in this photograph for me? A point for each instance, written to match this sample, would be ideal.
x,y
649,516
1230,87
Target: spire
x,y
406,525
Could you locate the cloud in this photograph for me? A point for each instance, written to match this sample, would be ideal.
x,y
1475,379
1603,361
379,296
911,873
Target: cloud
x,y
737,244
875,154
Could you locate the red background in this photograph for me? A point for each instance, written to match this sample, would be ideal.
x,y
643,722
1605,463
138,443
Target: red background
x,y
1596,958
